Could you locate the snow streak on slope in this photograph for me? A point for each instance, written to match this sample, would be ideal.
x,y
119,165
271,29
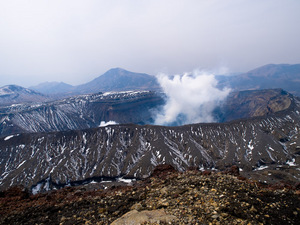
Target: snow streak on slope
x,y
132,150
81,112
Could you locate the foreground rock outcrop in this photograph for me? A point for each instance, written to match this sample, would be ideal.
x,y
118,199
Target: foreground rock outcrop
x,y
145,216
167,197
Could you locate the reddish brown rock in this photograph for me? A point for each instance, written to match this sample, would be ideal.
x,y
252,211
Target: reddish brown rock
x,y
233,170
163,170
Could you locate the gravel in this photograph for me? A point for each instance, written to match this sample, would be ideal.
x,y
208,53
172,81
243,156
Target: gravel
x,y
192,197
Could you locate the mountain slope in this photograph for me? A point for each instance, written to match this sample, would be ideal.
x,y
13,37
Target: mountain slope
x,y
186,198
88,111
13,94
265,148
80,112
118,79
246,104
284,76
53,88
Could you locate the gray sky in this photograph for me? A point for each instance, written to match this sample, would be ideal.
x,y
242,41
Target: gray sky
x,y
75,41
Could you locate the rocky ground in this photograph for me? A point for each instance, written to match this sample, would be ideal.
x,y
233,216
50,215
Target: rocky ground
x,y
167,197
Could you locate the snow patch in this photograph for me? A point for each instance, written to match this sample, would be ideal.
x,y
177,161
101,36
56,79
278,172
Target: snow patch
x,y
105,181
10,136
250,145
291,163
21,164
84,138
5,91
158,154
128,181
104,124
37,188
261,168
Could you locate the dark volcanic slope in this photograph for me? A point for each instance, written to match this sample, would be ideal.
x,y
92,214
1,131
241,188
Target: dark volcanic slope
x,y
246,104
257,145
85,111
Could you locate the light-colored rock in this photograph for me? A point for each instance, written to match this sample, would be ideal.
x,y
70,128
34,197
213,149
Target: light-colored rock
x,y
135,217
137,206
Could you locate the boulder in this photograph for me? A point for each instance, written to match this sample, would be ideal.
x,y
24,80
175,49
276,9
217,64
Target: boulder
x,y
135,217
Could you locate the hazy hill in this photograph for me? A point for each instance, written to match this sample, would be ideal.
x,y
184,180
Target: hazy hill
x,y
118,79
283,76
13,94
270,76
52,88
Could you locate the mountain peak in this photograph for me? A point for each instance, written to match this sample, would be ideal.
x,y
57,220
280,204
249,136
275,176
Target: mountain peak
x,y
116,72
51,88
117,69
118,79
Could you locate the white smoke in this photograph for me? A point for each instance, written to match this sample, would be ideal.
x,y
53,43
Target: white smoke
x,y
191,98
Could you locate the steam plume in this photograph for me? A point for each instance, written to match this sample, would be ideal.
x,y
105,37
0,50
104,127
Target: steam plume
x,y
191,98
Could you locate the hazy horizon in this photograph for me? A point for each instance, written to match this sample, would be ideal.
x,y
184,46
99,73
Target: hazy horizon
x,y
77,41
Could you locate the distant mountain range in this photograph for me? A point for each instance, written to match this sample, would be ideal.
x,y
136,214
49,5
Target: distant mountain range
x,y
116,79
283,76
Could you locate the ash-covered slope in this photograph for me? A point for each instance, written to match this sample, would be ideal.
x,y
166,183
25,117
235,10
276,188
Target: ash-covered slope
x,y
13,94
87,111
252,103
265,148
81,112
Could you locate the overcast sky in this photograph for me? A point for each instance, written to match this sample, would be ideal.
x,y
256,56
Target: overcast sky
x,y
75,41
